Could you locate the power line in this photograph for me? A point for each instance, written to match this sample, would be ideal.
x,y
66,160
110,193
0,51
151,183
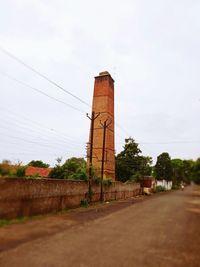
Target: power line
x,y
156,143
121,128
42,75
51,147
164,143
69,93
31,142
26,150
33,130
43,139
170,143
39,125
49,80
40,92
11,143
28,141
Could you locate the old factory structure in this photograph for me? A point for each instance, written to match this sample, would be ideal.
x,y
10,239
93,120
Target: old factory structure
x,y
103,154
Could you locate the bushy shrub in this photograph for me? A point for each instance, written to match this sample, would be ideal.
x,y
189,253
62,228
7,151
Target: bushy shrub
x,y
57,172
38,163
11,170
72,169
98,180
159,188
107,182
84,203
80,175
4,170
20,172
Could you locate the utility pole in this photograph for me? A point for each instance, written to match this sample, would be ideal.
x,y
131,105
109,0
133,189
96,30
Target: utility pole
x,y
104,126
93,118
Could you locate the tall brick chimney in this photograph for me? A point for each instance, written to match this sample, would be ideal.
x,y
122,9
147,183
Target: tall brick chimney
x,y
103,102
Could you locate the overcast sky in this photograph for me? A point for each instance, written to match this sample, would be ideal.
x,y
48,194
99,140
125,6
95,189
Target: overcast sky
x,y
151,49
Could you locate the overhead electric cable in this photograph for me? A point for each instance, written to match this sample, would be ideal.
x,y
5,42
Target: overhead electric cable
x,y
121,128
33,142
39,125
41,92
42,75
170,143
61,143
23,129
66,91
49,80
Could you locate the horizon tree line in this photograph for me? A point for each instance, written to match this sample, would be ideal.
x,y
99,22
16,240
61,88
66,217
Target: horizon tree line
x,y
130,165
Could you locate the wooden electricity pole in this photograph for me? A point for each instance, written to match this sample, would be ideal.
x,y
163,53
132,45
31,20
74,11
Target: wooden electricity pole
x,y
104,126
93,118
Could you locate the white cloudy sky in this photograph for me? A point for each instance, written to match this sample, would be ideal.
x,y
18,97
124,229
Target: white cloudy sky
x,y
151,48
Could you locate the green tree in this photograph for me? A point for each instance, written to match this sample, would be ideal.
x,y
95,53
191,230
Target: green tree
x,y
127,161
20,172
188,170
145,165
196,171
73,168
184,171
163,167
130,165
38,163
177,171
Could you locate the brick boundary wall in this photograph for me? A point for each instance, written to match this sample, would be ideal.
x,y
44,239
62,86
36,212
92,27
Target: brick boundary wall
x,y
27,197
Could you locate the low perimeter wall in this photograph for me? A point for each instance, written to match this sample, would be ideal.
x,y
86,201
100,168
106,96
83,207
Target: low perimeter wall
x,y
27,197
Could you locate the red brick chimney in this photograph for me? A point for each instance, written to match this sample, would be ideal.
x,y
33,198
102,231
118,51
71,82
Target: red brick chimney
x,y
103,102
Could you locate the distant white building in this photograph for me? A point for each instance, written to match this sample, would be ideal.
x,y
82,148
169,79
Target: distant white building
x,y
166,184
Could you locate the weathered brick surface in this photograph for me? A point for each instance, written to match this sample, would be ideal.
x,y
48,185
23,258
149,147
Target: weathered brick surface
x,y
103,102
26,197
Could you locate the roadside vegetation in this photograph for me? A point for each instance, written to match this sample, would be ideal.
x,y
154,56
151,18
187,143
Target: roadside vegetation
x,y
8,169
72,169
159,188
131,166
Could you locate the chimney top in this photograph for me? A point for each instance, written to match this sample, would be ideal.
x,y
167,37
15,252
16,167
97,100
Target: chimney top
x,y
103,73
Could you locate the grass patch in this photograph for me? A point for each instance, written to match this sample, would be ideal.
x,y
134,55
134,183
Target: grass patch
x,y
4,222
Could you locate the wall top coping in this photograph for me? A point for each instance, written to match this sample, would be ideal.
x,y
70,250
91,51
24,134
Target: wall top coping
x,y
9,179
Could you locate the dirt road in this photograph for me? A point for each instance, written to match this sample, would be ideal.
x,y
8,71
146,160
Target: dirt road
x,y
163,230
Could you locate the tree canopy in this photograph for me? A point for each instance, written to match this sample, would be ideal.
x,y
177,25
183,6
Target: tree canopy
x,y
196,171
163,167
73,168
185,171
38,163
130,164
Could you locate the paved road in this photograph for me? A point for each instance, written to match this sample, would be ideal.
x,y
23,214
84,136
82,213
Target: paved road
x,y
163,231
